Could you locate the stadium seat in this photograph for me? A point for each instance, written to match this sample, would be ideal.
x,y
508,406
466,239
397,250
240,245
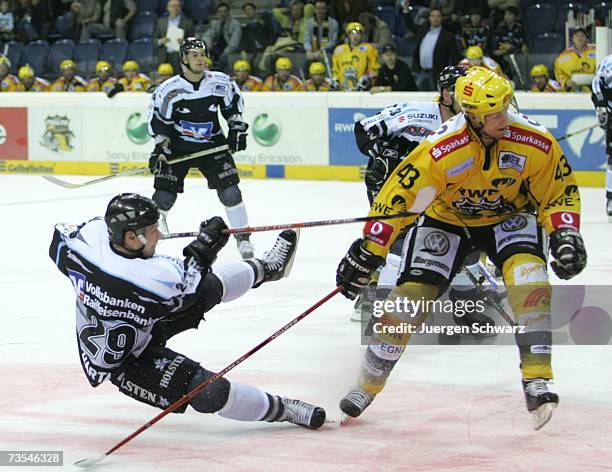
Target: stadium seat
x,y
86,55
143,51
405,47
541,18
551,43
14,52
198,10
143,25
59,51
161,9
548,59
390,16
115,52
578,8
148,5
60,26
35,54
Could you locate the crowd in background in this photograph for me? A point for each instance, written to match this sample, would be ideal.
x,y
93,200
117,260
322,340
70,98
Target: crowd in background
x,y
320,46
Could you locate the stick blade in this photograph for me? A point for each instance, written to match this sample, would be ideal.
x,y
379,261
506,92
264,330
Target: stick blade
x,y
60,182
88,463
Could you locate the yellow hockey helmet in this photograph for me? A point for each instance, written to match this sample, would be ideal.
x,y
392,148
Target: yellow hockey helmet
x,y
130,65
5,61
539,69
242,66
25,72
474,52
316,68
67,64
102,66
165,69
482,92
283,63
354,26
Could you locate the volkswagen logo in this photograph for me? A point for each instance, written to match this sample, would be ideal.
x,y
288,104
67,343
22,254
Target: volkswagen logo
x,y
514,223
437,243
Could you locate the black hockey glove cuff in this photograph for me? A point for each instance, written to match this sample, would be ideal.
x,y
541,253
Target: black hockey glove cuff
x,y
237,135
209,242
115,90
158,161
356,268
568,252
379,169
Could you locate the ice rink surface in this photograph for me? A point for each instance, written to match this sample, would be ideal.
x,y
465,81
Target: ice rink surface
x,y
446,408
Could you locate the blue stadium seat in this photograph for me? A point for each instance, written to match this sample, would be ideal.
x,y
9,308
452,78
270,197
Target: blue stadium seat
x,y
59,51
143,51
86,55
143,25
14,52
540,19
551,43
115,52
35,54
161,9
60,27
148,5
198,10
578,8
390,16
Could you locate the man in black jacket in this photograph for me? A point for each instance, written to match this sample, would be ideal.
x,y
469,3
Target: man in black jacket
x,y
394,75
435,49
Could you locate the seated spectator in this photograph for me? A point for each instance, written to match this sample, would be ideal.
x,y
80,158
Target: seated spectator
x,y
475,58
476,32
498,7
104,81
69,81
541,82
318,82
435,49
257,32
347,11
375,30
320,33
108,17
294,23
8,82
7,21
243,78
394,75
29,82
32,20
355,63
509,35
577,59
133,80
283,80
223,35
177,19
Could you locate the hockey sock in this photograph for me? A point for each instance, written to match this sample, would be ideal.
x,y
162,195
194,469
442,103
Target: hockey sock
x,y
237,278
247,403
237,216
529,294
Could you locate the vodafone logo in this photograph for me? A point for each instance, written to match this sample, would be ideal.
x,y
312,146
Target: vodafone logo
x,y
378,232
565,219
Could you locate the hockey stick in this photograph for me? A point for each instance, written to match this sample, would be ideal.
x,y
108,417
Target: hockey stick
x,y
517,70
87,463
577,132
305,224
136,170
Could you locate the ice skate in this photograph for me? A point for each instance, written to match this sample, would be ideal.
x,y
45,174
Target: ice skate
x,y
364,304
540,401
355,402
301,413
278,261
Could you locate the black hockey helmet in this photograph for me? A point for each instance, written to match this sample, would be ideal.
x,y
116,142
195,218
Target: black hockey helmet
x,y
192,43
129,212
448,76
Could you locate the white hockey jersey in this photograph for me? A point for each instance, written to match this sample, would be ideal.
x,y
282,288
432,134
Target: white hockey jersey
x,y
602,84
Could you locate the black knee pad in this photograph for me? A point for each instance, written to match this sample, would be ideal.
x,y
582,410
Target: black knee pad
x,y
212,398
230,196
164,199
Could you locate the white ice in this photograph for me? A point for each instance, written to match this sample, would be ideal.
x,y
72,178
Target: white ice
x,y
444,408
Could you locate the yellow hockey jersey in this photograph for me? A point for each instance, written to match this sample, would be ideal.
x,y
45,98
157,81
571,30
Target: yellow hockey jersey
x,y
94,85
77,84
251,84
570,62
350,64
9,83
452,178
39,85
325,86
273,84
487,63
551,86
140,83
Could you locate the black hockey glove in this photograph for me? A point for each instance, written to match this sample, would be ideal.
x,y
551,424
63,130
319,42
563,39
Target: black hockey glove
x,y
237,136
210,241
568,252
115,90
158,161
356,268
365,83
378,171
